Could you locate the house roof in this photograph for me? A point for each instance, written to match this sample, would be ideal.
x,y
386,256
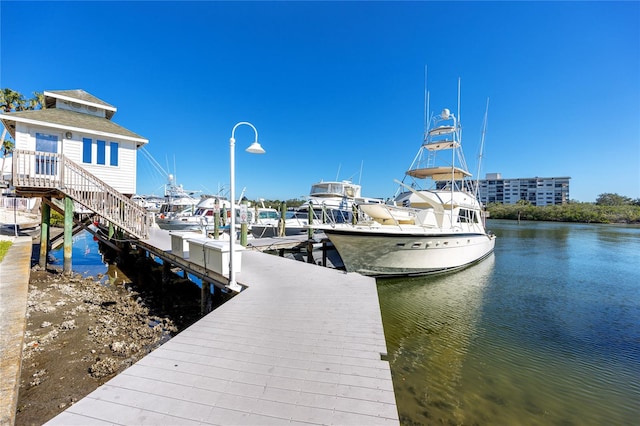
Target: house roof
x,y
79,96
69,121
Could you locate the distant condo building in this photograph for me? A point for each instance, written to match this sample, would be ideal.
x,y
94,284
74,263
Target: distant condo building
x,y
539,191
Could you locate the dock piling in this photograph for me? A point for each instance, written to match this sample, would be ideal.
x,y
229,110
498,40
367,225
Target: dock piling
x,y
45,221
68,235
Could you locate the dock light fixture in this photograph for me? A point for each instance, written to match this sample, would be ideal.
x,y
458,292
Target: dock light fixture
x,y
255,148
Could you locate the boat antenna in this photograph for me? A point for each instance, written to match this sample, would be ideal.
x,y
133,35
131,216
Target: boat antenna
x,y
458,100
360,177
484,131
174,165
426,102
338,173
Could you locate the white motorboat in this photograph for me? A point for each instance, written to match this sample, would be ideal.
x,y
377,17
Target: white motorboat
x,y
178,205
333,201
200,217
423,231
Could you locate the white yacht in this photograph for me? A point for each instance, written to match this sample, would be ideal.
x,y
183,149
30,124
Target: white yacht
x,y
422,231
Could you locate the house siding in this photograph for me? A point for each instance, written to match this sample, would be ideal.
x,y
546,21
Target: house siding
x,y
121,177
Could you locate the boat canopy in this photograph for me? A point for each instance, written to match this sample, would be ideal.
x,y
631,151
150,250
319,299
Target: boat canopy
x,y
441,130
439,173
439,145
335,189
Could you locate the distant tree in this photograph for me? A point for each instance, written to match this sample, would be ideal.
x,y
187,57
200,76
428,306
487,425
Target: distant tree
x,y
7,149
610,199
36,101
10,100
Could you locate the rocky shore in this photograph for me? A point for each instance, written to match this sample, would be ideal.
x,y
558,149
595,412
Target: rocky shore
x,y
83,331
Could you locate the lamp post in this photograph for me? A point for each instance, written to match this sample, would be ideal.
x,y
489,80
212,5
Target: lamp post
x,y
255,148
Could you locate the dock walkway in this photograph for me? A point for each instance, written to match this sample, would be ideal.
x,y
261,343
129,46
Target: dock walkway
x,y
15,270
301,344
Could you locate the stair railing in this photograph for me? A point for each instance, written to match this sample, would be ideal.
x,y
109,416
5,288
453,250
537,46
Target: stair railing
x,y
51,170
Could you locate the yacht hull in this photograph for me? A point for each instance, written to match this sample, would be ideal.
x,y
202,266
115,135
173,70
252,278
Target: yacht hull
x,y
393,254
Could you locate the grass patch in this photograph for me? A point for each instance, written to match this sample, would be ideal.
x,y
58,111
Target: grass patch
x,y
4,248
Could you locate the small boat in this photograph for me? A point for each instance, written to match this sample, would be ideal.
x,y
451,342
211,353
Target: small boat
x,y
422,231
199,218
150,203
295,223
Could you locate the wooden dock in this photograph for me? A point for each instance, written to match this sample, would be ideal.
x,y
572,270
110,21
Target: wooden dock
x,y
301,344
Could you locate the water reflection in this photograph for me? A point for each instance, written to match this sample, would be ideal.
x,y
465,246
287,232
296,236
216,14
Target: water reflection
x,y
547,332
429,324
88,261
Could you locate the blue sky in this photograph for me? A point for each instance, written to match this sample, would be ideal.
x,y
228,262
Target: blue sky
x,y
336,89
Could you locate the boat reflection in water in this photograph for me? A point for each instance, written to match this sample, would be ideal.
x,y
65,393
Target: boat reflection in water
x,y
429,324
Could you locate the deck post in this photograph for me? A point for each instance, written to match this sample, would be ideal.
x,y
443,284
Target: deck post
x,y
45,221
310,258
324,253
244,229
310,219
283,216
68,235
216,222
205,298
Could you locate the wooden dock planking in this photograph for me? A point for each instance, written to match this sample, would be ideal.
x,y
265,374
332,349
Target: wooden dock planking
x,y
302,344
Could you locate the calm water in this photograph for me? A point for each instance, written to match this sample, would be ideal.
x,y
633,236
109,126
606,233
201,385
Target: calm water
x,y
544,332
87,260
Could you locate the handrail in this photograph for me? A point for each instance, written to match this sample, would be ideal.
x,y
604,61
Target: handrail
x,y
55,171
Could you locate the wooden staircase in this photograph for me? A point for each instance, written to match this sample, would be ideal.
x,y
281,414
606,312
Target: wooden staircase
x,y
38,172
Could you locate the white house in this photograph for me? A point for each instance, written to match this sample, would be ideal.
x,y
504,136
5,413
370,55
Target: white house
x,y
78,125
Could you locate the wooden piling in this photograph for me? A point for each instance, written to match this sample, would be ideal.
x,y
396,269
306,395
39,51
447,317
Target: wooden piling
x,y
68,235
216,225
244,227
281,223
310,230
324,253
45,233
205,298
310,252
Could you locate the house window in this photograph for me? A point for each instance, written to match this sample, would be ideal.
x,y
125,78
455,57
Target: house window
x,y
46,160
102,149
86,150
113,155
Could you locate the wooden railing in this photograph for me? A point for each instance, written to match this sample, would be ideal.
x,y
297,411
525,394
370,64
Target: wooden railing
x,y
46,170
